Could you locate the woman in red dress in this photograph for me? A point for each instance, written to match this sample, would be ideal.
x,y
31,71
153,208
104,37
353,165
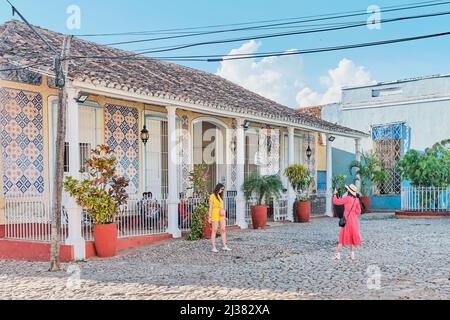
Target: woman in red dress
x,y
350,232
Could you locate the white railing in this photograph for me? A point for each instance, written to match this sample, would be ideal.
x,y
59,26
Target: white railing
x,y
28,217
279,209
248,209
186,211
230,207
187,205
142,217
425,199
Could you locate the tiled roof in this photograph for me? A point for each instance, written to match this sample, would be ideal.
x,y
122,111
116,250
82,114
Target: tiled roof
x,y
148,76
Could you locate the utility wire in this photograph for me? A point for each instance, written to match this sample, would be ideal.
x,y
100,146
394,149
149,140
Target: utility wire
x,y
268,25
258,37
278,54
183,30
297,52
14,11
22,67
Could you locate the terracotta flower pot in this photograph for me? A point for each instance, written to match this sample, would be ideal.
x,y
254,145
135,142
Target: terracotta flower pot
x,y
207,230
303,211
105,240
366,202
259,217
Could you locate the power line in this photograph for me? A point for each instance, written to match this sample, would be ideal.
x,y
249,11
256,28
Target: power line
x,y
183,30
22,67
265,36
271,25
297,52
213,58
14,11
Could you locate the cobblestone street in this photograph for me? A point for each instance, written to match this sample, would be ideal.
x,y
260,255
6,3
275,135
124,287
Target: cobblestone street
x,y
287,261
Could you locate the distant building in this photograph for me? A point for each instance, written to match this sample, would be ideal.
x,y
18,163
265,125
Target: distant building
x,y
400,115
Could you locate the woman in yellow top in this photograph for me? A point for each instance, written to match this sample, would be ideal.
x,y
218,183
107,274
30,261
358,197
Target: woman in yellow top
x,y
217,217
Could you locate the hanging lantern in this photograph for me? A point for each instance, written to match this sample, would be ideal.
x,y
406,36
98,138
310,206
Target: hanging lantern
x,y
309,152
145,135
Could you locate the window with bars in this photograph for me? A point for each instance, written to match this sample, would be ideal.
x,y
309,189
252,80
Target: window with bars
x,y
66,157
164,159
388,150
251,151
85,152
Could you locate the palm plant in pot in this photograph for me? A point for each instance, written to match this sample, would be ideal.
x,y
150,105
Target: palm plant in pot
x,y
300,180
263,188
100,193
369,171
338,183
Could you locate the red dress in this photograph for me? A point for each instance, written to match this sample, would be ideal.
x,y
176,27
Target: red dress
x,y
350,233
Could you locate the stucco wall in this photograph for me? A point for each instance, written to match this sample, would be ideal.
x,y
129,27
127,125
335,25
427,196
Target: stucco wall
x,y
424,105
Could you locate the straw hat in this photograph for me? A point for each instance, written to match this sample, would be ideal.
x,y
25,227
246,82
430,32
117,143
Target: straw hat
x,y
351,189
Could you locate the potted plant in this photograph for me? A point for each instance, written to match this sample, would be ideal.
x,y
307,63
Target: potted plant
x,y
264,188
200,227
338,183
369,171
300,180
101,193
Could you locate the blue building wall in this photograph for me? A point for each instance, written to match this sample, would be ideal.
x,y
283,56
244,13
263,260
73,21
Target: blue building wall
x,y
321,181
341,161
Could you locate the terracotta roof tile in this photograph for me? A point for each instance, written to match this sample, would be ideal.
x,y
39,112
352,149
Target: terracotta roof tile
x,y
148,76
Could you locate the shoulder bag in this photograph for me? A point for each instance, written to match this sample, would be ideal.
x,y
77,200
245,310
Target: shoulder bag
x,y
343,221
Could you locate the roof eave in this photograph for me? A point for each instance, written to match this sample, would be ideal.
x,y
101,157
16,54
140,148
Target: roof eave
x,y
162,101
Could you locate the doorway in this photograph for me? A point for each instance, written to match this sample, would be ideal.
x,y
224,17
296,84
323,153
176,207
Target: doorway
x,y
209,144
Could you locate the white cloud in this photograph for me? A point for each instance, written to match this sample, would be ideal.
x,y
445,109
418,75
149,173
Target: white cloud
x,y
276,78
347,73
281,78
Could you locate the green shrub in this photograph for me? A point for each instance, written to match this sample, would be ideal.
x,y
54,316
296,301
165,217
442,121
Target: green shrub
x,y
102,192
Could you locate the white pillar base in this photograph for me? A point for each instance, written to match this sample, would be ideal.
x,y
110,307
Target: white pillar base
x,y
290,208
173,229
329,204
75,237
240,213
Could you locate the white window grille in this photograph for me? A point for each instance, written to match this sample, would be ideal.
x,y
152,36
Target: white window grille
x,y
388,150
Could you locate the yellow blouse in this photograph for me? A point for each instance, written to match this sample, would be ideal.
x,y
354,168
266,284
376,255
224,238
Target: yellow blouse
x,y
216,205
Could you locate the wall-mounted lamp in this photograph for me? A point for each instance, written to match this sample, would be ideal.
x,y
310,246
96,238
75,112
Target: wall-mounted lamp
x,y
145,135
331,138
82,97
309,150
246,124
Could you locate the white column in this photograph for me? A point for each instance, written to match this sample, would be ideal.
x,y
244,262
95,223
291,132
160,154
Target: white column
x,y
291,160
74,211
329,193
240,159
358,158
173,167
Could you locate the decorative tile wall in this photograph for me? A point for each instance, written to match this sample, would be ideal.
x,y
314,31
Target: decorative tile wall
x,y
22,142
184,154
234,156
122,135
269,151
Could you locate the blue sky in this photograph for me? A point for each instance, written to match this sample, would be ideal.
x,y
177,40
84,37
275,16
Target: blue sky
x,y
310,71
